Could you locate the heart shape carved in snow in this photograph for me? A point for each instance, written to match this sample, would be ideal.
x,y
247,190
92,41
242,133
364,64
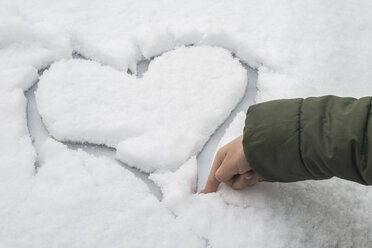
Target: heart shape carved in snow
x,y
155,122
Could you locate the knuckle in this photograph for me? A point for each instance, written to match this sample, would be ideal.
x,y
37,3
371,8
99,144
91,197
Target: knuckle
x,y
220,151
219,175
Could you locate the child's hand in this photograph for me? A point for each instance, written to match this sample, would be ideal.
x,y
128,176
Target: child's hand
x,y
231,167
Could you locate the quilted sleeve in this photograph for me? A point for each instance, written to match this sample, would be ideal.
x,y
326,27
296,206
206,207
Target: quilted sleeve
x,y
314,138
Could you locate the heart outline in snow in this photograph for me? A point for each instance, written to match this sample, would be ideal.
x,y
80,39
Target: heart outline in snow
x,y
156,122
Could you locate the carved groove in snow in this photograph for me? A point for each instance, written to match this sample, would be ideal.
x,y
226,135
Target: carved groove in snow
x,y
39,133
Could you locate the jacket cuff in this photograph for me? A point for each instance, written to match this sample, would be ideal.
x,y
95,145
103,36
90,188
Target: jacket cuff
x,y
272,139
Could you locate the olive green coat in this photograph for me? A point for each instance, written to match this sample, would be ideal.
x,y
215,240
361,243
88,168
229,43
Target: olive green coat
x,y
313,138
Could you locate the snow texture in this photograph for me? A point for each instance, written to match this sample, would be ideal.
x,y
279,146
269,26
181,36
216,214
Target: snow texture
x,y
299,48
89,202
333,213
25,44
156,122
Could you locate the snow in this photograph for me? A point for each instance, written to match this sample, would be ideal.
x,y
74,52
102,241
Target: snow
x,y
89,202
152,42
303,214
16,154
39,135
156,122
25,44
299,48
18,77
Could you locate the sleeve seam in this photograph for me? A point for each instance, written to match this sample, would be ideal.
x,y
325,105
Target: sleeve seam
x,y
300,113
364,144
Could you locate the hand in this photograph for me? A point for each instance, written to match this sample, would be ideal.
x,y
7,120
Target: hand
x,y
230,166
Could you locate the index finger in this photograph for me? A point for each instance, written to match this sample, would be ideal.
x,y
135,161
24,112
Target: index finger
x,y
212,182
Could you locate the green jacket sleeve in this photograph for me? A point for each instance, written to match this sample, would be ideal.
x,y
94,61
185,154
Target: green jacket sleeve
x,y
313,138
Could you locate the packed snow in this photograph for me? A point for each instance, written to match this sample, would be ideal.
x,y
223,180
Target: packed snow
x,y
89,202
155,122
75,199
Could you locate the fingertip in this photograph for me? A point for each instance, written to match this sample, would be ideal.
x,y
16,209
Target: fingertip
x,y
207,191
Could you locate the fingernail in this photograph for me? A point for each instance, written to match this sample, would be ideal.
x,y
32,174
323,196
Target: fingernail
x,y
248,177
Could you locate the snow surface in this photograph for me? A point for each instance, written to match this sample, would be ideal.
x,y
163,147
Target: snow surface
x,y
85,200
156,122
39,135
300,48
